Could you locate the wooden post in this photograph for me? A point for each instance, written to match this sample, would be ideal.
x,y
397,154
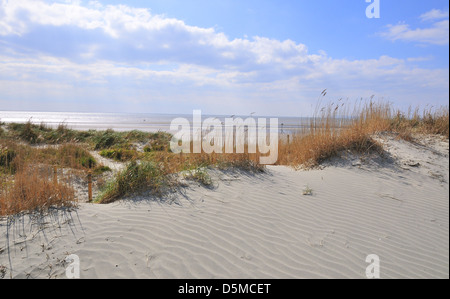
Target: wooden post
x,y
55,175
90,185
288,139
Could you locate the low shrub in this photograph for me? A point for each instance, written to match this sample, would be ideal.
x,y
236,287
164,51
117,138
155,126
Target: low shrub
x,y
136,178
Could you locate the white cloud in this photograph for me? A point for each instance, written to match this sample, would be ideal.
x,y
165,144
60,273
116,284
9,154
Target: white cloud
x,y
434,14
436,34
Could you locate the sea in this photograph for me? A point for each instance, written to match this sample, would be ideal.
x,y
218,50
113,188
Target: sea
x,y
148,122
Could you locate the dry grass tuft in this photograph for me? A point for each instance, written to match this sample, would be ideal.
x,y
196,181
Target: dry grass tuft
x,y
33,190
335,129
28,181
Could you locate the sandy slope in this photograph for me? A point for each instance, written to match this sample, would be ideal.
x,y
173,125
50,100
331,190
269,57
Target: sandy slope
x,y
258,226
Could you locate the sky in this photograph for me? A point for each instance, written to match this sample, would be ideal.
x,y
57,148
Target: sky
x,y
220,56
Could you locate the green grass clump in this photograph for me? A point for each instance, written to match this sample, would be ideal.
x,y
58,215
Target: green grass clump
x,y
159,142
136,178
28,134
7,156
106,140
199,175
101,169
119,154
136,136
110,139
34,134
156,146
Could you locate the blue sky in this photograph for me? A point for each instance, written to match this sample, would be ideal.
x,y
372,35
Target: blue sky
x,y
224,57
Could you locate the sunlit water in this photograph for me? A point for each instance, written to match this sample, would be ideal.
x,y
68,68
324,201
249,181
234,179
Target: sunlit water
x,y
126,122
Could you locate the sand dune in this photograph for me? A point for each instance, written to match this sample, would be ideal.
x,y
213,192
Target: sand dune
x,y
258,226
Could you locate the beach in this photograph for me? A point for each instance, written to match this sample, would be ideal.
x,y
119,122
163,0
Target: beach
x,y
283,223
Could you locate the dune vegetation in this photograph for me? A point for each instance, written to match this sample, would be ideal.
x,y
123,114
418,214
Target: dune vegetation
x,y
38,163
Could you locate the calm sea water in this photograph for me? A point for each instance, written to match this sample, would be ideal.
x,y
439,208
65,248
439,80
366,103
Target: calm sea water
x,y
123,121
